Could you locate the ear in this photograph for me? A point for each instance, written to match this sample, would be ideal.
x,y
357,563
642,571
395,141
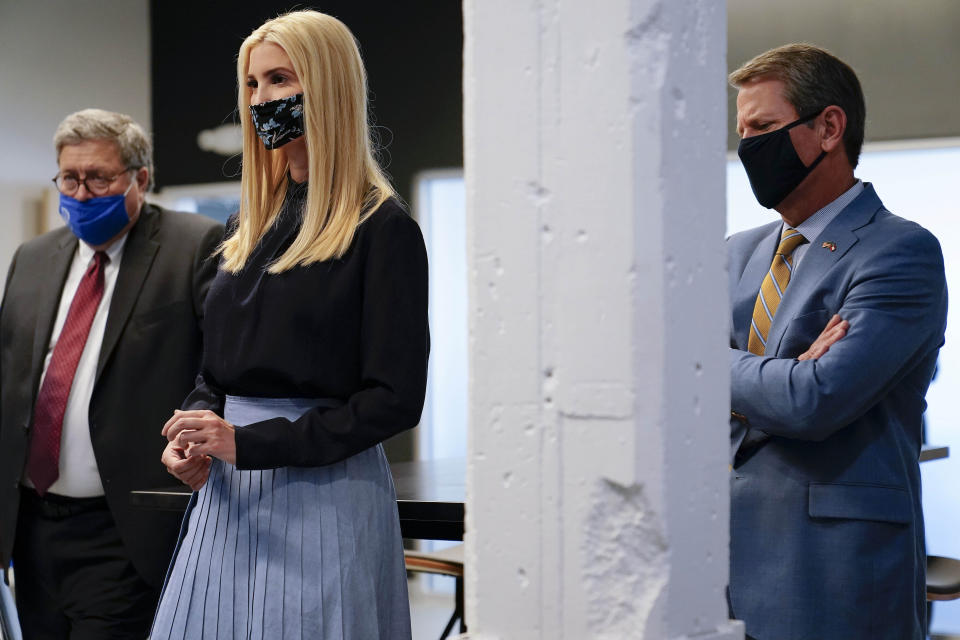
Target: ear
x,y
143,179
833,122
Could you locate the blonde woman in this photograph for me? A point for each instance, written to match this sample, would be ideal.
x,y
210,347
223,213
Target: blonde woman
x,y
315,351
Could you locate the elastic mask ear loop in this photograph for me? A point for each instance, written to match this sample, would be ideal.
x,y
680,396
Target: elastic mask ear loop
x,y
801,120
132,182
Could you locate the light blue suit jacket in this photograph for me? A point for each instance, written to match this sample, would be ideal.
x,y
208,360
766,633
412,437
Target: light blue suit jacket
x,y
826,525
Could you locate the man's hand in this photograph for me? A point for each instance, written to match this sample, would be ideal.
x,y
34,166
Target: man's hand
x,y
191,471
834,331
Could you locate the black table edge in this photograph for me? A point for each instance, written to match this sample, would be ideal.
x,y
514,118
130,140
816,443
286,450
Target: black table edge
x,y
419,519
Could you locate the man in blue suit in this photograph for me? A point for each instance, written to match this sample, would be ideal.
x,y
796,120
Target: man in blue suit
x,y
838,312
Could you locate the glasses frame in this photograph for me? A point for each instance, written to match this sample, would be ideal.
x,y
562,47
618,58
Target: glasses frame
x,y
83,181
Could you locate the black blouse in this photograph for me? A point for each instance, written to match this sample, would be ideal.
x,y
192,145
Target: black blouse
x,y
352,329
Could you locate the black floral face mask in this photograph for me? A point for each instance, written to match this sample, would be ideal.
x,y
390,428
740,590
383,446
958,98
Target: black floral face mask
x,y
277,122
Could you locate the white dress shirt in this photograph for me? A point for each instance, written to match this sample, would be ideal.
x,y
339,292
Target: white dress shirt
x,y
79,476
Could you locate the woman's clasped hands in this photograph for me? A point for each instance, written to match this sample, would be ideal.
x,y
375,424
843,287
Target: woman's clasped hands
x,y
193,437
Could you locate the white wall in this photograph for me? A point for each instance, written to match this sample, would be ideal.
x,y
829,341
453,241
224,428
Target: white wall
x,y
56,57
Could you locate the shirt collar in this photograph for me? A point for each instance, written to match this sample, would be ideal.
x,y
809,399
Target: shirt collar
x,y
114,251
815,224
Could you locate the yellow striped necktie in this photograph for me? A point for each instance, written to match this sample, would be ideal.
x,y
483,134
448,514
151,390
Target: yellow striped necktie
x,y
772,290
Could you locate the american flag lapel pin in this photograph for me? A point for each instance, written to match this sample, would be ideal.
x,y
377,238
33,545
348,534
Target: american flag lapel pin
x,y
829,245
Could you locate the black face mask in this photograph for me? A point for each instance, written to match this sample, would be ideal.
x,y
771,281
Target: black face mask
x,y
772,163
277,122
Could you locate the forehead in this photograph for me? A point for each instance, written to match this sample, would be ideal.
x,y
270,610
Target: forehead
x,y
90,154
267,56
763,97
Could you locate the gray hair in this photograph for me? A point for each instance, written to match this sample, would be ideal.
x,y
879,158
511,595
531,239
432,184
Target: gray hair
x,y
96,124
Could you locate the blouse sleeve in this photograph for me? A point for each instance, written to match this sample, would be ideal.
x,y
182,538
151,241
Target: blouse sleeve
x,y
395,344
205,395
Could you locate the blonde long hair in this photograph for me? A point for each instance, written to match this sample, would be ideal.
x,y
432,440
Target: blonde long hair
x,y
346,184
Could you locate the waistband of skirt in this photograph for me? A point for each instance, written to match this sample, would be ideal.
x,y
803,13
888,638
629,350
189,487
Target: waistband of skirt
x,y
260,400
243,410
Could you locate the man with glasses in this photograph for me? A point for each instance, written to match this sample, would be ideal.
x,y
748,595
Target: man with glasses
x,y
99,340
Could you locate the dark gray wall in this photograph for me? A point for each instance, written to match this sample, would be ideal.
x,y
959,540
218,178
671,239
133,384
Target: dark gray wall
x,y
906,53
413,55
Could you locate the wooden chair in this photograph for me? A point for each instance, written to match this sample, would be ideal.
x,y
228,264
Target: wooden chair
x,y
943,578
446,562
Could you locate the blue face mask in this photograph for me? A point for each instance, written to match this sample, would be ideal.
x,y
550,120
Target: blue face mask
x,y
95,220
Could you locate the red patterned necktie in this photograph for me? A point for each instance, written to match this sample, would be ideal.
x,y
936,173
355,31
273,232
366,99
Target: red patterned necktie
x,y
44,459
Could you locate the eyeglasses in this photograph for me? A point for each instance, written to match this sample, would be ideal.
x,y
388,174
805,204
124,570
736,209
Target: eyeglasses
x,y
98,185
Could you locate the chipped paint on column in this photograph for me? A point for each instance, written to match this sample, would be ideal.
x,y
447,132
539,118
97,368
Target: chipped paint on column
x,y
594,159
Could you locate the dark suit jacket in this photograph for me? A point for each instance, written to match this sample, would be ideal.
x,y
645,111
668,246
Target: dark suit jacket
x,y
149,359
826,523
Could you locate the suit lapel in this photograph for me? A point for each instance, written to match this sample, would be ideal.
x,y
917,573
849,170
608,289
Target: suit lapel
x,y
138,255
48,302
818,260
749,286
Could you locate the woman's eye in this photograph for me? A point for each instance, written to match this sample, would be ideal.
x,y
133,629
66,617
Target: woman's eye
x,y
278,79
252,83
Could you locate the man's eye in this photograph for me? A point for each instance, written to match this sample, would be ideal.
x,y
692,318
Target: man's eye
x,y
97,181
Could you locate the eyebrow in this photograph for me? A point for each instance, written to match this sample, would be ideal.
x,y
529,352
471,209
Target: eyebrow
x,y
90,171
754,119
274,70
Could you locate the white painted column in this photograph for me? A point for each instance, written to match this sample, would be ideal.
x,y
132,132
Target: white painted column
x,y
597,468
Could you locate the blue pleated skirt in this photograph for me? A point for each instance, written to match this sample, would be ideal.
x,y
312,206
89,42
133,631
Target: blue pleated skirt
x,y
291,553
